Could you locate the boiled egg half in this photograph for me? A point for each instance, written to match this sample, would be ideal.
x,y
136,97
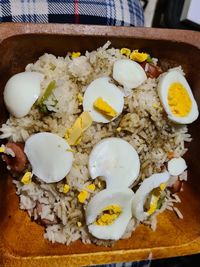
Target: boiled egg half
x,y
108,213
145,201
49,155
103,100
116,161
128,73
21,92
177,98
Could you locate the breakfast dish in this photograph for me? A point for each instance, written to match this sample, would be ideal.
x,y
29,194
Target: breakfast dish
x,y
95,142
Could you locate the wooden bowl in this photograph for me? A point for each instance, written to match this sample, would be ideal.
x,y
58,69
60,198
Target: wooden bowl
x,y
21,241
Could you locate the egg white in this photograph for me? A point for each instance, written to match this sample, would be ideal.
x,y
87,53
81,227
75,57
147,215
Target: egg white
x,y
102,87
144,190
49,156
104,198
176,166
116,161
164,83
21,92
128,73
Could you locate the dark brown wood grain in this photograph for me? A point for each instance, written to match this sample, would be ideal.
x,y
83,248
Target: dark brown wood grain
x,y
21,241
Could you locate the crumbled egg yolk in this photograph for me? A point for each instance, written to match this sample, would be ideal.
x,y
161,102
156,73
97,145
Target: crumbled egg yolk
x,y
139,57
108,215
155,105
79,224
80,99
2,149
70,150
66,188
125,51
155,197
91,187
26,179
179,100
75,54
119,129
104,108
74,134
82,196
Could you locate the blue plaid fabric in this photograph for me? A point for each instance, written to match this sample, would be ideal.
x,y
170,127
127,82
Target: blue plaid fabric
x,y
100,12
146,263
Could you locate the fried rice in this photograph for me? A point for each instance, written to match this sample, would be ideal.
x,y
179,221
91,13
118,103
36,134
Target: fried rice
x,y
143,123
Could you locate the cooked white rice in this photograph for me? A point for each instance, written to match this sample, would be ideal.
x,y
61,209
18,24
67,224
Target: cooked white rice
x,y
143,124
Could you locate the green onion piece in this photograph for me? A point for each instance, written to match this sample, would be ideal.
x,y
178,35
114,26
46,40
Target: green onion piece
x,y
40,103
149,59
159,203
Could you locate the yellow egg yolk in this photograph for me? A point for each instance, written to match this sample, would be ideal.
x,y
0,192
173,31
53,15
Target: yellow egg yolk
x,y
155,197
66,188
74,134
179,100
139,57
79,224
76,54
108,215
91,187
104,108
119,129
82,196
26,179
2,149
80,98
125,51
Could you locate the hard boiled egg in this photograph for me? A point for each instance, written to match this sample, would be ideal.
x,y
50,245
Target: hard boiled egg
x,y
21,92
102,96
128,73
49,155
176,166
109,212
149,191
116,160
177,98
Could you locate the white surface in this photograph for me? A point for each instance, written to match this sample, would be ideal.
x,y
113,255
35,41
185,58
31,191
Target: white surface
x,y
191,11
149,13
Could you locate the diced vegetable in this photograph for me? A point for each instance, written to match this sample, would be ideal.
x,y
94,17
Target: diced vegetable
x,y
40,103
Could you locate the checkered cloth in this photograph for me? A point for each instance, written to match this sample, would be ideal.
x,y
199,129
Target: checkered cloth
x,y
146,263
103,12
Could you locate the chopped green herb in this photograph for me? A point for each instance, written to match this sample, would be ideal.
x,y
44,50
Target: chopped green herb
x,y
43,108
149,59
159,203
40,103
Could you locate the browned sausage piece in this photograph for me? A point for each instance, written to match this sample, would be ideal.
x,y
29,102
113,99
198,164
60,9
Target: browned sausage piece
x,y
17,163
43,221
151,70
47,222
176,187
